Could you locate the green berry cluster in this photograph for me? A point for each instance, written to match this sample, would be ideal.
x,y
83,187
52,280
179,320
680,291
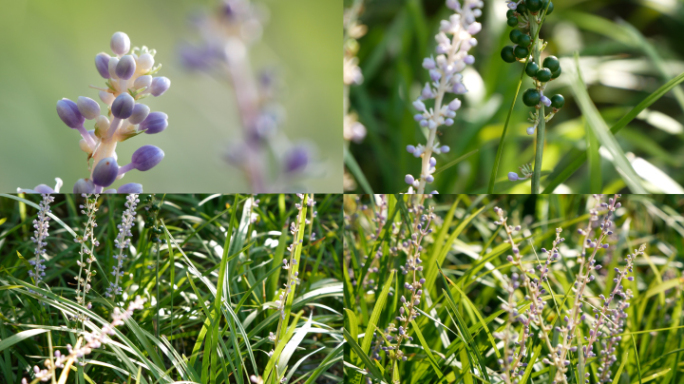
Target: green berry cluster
x,y
526,12
519,17
151,220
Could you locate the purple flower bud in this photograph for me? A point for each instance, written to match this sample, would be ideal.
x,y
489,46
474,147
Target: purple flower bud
x,y
459,89
455,105
409,179
69,113
84,186
126,67
512,176
88,107
546,101
418,117
120,43
146,157
410,148
102,64
435,75
427,92
296,159
105,172
42,188
159,85
123,105
140,113
154,123
445,149
419,105
470,59
130,188
449,122
430,178
530,130
433,161
428,63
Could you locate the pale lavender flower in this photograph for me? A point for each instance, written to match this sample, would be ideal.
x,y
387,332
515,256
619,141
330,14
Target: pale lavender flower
x,y
266,157
86,344
122,243
454,40
128,78
40,234
88,243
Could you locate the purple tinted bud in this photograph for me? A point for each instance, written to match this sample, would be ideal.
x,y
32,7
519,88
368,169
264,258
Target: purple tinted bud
x,y
102,64
409,179
470,59
455,105
154,123
433,161
140,113
130,188
296,159
159,86
105,172
42,188
428,63
445,149
126,67
435,75
512,176
146,157
419,105
84,186
123,105
88,107
449,122
410,148
120,43
430,179
418,117
110,191
69,113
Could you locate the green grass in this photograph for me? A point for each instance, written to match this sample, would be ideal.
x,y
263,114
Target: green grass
x,y
466,269
210,297
628,54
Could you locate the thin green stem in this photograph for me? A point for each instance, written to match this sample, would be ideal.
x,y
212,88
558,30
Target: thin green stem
x,y
541,127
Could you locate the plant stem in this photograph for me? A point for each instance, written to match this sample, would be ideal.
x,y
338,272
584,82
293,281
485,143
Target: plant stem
x,y
541,127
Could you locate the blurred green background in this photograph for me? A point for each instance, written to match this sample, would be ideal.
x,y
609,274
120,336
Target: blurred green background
x,y
48,50
627,48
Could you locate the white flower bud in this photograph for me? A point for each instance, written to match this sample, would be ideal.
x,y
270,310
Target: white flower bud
x,y
120,43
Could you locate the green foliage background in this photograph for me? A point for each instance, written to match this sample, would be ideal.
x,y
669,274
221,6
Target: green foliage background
x,y
466,248
189,339
627,50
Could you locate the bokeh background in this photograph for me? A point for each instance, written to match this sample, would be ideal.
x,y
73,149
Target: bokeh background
x,y
48,50
627,49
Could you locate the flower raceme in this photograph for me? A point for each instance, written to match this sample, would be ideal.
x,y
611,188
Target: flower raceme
x,y
609,314
128,78
454,40
264,154
85,345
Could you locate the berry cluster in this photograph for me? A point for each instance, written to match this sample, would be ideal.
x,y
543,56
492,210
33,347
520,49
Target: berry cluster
x,y
527,15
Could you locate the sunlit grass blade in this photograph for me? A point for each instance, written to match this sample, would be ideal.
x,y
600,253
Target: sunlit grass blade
x,y
603,134
559,176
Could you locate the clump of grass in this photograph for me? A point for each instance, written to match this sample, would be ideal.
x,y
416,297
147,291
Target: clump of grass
x,y
210,269
546,289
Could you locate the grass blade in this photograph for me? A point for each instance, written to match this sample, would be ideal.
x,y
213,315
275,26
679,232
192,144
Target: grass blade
x,y
603,134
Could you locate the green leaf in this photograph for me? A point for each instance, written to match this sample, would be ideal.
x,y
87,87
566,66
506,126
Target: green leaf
x,y
578,157
603,134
